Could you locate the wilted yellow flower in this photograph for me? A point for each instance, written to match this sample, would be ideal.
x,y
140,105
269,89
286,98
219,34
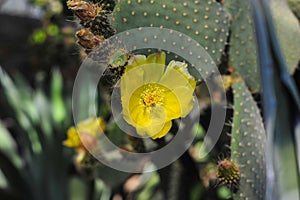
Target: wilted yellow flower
x,y
85,134
152,95
87,39
85,11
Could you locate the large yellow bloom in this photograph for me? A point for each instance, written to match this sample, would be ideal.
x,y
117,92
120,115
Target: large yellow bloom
x,y
152,95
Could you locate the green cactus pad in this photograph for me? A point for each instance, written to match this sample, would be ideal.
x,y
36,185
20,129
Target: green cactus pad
x,y
248,144
288,32
295,7
205,21
242,52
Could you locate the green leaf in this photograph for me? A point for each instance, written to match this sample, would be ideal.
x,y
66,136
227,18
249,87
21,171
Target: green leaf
x,y
25,92
43,106
149,189
3,181
58,106
22,116
14,176
8,146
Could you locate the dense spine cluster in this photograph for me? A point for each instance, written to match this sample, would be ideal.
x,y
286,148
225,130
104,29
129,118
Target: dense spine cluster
x,y
94,17
228,173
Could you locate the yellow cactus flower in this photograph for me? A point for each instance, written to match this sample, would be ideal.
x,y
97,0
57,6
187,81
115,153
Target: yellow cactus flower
x,y
152,95
86,132
73,139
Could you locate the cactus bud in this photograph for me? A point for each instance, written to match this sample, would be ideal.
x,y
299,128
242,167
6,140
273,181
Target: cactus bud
x,y
83,10
118,60
228,172
87,39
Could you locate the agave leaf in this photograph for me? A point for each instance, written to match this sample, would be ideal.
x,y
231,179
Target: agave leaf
x,y
43,107
101,190
58,106
77,189
14,176
8,146
149,190
11,91
23,118
25,92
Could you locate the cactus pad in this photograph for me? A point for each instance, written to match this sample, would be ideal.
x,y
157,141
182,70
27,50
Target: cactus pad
x,y
247,144
242,53
288,32
295,7
205,21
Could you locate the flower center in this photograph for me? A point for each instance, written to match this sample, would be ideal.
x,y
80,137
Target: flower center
x,y
152,95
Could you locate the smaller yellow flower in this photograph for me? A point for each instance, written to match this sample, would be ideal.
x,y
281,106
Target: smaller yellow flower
x,y
85,133
152,94
73,138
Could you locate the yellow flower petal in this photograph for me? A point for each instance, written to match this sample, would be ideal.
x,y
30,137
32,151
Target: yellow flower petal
x,y
101,123
174,77
156,127
139,115
158,112
152,72
163,131
93,127
159,58
135,61
172,106
186,100
137,77
73,139
156,118
130,81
